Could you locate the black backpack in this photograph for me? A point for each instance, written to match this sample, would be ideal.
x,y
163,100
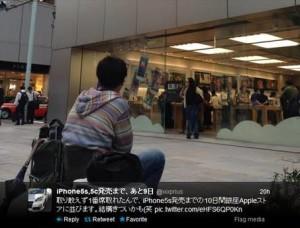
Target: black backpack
x,y
47,160
117,168
23,100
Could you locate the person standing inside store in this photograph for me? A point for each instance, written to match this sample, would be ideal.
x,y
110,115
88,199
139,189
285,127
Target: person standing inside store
x,y
207,108
262,99
215,100
254,96
20,103
193,101
162,100
1,94
32,102
275,102
1,99
290,100
99,120
243,102
182,96
216,105
226,107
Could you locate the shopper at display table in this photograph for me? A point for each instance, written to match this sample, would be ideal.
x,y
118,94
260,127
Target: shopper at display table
x,y
263,107
183,119
274,102
217,107
290,101
261,100
226,101
243,103
207,108
162,101
254,96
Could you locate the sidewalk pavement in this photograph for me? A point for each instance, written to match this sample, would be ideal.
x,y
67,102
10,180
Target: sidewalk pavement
x,y
204,160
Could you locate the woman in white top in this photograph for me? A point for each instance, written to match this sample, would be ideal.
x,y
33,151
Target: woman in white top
x,y
215,101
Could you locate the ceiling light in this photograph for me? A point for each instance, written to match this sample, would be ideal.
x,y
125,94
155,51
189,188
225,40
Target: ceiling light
x,y
277,44
213,51
290,67
250,58
263,37
191,46
298,69
267,61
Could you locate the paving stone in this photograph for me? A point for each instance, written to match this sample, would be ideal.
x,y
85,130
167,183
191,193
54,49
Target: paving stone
x,y
186,161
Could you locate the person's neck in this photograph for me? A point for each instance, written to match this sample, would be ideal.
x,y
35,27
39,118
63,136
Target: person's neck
x,y
117,90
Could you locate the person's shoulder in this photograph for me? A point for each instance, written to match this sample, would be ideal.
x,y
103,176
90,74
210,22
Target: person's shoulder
x,y
121,104
199,90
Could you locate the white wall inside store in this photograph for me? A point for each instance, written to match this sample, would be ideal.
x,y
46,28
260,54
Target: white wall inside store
x,y
189,66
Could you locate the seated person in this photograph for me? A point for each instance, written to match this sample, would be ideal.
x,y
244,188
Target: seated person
x,y
99,120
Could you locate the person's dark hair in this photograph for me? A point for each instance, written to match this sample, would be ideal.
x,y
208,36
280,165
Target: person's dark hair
x,y
262,91
29,88
224,87
242,87
213,92
111,72
192,85
273,94
289,82
22,87
191,81
191,92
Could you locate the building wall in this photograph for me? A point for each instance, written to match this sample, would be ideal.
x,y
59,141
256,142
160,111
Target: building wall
x,y
14,34
86,21
59,84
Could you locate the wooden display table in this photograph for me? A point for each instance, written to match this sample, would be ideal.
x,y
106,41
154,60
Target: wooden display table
x,y
177,114
217,118
264,109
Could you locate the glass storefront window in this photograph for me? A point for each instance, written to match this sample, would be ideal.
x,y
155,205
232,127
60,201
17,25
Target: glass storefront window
x,y
12,81
238,81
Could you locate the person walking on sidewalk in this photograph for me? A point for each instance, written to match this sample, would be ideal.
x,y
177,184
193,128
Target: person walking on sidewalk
x,y
1,99
20,102
100,120
32,99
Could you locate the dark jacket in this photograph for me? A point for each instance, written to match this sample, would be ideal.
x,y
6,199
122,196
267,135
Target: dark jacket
x,y
1,96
